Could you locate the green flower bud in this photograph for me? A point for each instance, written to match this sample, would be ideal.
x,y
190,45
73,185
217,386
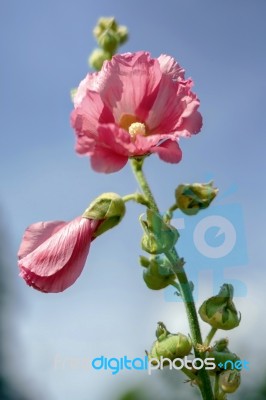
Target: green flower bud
x,y
229,381
109,41
224,358
219,311
104,23
108,207
109,34
158,273
97,58
191,198
170,345
158,236
122,32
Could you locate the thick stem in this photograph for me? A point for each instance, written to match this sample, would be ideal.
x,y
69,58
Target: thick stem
x,y
184,286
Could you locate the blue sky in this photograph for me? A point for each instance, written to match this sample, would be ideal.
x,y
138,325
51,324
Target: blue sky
x,y
44,49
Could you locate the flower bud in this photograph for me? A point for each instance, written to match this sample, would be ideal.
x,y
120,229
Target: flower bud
x,y
104,23
108,207
158,236
229,381
97,58
109,34
109,41
219,311
158,273
191,198
170,345
223,357
122,32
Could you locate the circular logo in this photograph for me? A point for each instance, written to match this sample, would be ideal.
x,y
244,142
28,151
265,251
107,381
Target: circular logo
x,y
225,227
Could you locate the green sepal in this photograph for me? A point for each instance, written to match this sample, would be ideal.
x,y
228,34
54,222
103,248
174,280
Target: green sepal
x,y
159,236
169,345
108,208
158,273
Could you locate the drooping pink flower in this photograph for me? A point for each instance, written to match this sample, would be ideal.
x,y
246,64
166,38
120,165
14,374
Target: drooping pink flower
x,y
136,105
52,254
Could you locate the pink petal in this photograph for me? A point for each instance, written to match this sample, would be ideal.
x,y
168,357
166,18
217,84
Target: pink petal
x,y
191,125
166,110
58,261
36,234
88,83
112,149
86,117
168,151
105,160
170,67
130,84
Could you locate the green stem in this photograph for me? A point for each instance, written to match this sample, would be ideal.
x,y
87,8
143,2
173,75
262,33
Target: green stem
x,y
192,377
136,164
184,286
186,293
137,197
210,336
169,213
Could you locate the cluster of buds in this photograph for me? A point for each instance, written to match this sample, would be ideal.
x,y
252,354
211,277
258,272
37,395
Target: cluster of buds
x,y
109,36
227,368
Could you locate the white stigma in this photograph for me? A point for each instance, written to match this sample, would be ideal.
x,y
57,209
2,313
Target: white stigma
x,y
137,128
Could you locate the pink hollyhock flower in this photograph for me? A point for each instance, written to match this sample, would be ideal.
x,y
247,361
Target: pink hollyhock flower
x,y
136,105
52,254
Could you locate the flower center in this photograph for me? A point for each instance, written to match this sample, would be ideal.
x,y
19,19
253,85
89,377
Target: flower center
x,y
137,128
130,123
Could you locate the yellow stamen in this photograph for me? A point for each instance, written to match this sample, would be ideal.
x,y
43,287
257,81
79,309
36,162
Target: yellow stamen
x,y
137,128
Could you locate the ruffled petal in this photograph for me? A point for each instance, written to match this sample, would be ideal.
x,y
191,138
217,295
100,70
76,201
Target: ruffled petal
x,y
191,125
171,68
88,83
90,112
129,84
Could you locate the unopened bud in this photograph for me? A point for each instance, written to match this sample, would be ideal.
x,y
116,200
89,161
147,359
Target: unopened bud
x,y
97,58
191,198
229,381
219,311
158,273
170,345
158,236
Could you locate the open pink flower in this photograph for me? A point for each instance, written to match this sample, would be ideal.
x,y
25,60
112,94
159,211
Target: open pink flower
x,y
136,105
52,254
